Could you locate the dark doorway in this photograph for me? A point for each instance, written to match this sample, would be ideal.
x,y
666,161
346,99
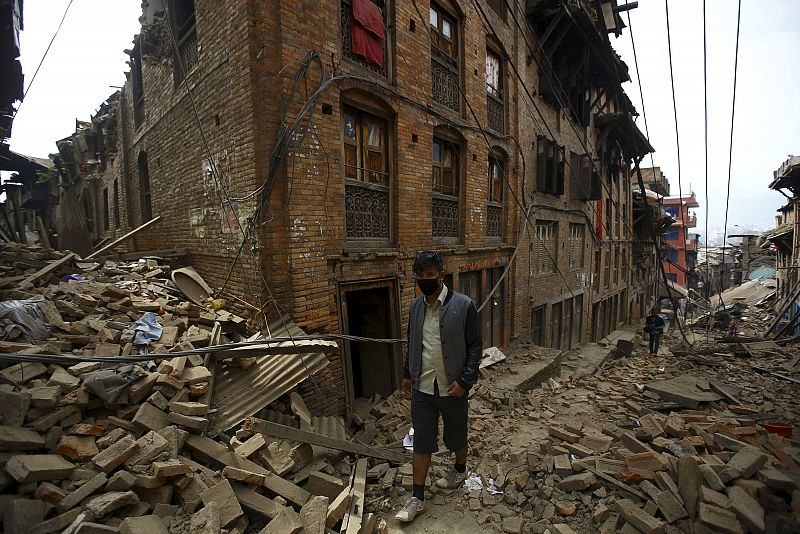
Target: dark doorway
x,y
556,321
492,314
373,366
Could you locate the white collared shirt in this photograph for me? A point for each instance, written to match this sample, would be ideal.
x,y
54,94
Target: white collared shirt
x,y
432,360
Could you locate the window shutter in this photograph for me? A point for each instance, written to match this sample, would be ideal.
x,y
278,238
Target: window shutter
x,y
541,163
560,172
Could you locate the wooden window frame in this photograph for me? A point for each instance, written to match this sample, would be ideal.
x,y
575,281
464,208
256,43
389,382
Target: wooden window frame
x,y
545,240
446,45
577,241
455,156
363,172
549,167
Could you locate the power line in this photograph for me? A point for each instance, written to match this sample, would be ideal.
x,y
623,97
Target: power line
x,y
730,148
41,61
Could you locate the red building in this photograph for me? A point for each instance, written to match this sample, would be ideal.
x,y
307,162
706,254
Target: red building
x,y
681,251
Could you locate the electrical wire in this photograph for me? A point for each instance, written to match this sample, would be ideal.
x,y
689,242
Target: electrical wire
x,y
730,148
41,61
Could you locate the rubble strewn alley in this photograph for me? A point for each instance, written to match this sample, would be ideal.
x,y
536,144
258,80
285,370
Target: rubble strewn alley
x,y
600,438
253,279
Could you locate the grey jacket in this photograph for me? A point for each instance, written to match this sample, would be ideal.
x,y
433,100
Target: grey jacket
x,y
461,335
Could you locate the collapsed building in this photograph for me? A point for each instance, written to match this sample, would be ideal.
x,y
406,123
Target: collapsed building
x,y
299,166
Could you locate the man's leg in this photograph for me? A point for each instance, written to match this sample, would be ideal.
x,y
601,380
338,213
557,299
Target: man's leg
x,y
656,343
425,420
456,430
651,341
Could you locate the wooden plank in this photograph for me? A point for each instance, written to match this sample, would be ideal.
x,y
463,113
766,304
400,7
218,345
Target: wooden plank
x,y
294,434
355,515
50,267
721,390
620,485
217,454
124,238
159,253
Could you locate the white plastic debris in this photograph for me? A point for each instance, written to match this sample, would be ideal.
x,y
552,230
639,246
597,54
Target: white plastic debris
x,y
408,441
473,482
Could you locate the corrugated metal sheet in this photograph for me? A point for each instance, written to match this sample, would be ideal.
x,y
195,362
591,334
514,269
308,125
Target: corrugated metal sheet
x,y
239,393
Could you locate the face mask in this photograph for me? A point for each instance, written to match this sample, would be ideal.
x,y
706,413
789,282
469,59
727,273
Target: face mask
x,y
428,286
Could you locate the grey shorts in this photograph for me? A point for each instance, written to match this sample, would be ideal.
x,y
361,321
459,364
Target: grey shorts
x,y
425,410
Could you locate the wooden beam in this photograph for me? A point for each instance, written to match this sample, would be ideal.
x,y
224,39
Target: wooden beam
x,y
52,266
160,253
217,454
355,515
293,434
124,238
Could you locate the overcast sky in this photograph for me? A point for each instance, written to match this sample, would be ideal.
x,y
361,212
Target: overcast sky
x,y
767,121
87,58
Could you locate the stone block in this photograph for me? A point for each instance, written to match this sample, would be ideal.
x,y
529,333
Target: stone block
x,y
104,504
637,517
120,481
206,521
116,454
718,520
146,524
44,398
57,523
512,525
77,448
563,434
74,499
748,461
578,482
325,485
649,461
150,417
195,375
63,380
149,447
671,509
192,422
250,447
222,494
37,467
15,439
747,509
313,515
15,407
337,508
689,481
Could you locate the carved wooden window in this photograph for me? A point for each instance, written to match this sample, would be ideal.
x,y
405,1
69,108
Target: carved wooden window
x,y
116,204
576,246
182,21
494,208
445,58
137,85
366,171
346,27
494,91
549,167
106,218
145,195
445,188
544,247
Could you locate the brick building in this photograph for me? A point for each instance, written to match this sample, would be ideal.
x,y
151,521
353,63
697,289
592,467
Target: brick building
x,y
681,252
321,156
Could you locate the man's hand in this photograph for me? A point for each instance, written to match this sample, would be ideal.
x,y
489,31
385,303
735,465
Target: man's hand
x,y
455,390
405,387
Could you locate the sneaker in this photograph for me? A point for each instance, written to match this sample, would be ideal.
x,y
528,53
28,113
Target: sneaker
x,y
452,479
412,509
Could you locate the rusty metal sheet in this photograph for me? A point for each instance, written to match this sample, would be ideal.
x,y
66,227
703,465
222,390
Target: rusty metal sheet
x,y
239,393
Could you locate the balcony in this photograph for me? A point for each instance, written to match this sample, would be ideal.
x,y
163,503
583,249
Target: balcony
x,y
691,244
691,221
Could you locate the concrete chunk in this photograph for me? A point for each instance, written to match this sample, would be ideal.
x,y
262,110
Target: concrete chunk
x,y
149,447
222,494
314,514
148,416
74,499
15,439
670,507
104,504
748,461
578,482
146,524
325,485
337,508
718,520
37,467
287,522
195,375
189,408
563,434
711,478
637,517
116,454
56,524
206,521
15,407
77,448
120,481
21,515
689,482
649,461
747,509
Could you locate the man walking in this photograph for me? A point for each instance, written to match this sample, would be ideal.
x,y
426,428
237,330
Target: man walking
x,y
654,326
444,353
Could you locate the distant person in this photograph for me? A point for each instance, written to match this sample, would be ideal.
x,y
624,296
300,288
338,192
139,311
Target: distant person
x,y
654,327
732,327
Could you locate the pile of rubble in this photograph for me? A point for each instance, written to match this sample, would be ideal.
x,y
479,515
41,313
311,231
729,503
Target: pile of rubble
x,y
628,449
106,381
